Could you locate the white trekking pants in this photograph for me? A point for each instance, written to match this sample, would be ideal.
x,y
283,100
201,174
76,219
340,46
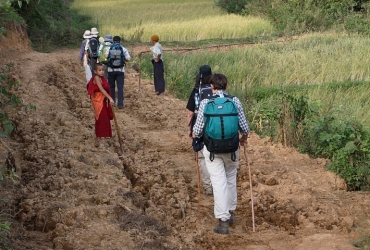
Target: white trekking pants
x,y
222,171
206,180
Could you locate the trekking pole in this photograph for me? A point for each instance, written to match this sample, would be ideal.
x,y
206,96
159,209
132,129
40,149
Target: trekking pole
x,y
118,133
139,72
198,174
250,185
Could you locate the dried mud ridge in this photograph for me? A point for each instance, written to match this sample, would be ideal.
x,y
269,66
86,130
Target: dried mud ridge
x,y
74,196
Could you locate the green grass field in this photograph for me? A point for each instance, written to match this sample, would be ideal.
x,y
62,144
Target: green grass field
x,y
172,20
320,66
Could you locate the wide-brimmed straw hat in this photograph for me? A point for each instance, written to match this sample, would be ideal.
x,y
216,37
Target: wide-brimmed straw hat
x,y
87,34
94,31
108,38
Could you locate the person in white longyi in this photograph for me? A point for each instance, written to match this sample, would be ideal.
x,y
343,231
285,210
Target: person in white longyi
x,y
83,56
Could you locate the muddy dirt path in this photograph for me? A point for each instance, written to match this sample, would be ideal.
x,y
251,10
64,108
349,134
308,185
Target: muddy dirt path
x,y
75,196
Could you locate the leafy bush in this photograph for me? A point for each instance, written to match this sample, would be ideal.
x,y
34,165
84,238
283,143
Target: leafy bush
x,y
320,133
346,143
53,24
358,25
7,99
299,16
286,115
4,234
8,14
232,6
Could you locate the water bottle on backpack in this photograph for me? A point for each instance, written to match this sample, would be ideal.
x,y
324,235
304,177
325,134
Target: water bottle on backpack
x,y
196,99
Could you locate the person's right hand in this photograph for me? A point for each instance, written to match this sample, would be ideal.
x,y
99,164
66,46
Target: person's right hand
x,y
111,102
190,134
244,140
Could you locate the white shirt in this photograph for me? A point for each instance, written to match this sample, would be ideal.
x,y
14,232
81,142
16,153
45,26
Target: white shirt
x,y
157,50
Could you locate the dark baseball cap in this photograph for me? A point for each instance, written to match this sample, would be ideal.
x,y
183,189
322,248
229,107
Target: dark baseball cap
x,y
205,70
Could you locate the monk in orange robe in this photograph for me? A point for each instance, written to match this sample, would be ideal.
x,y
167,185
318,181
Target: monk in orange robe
x,y
99,91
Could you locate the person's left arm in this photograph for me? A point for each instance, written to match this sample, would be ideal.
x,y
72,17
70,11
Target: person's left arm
x,y
199,124
107,53
126,54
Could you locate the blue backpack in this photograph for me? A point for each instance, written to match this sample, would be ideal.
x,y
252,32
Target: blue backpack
x,y
116,58
221,129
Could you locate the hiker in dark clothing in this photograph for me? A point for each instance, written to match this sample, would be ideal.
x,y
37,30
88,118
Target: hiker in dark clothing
x,y
116,74
201,83
92,61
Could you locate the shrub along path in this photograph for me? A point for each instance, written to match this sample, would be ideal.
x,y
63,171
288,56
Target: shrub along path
x,y
75,196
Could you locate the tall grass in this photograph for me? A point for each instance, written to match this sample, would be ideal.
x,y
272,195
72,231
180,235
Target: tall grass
x,y
308,60
322,62
187,20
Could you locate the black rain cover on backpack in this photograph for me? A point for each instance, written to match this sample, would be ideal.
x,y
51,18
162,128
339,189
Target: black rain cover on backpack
x,y
205,92
94,47
116,58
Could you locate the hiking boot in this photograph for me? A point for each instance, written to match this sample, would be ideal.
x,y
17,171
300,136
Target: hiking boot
x,y
231,220
222,227
208,191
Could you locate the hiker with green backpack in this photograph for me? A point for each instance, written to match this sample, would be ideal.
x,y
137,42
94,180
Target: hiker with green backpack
x,y
219,121
103,48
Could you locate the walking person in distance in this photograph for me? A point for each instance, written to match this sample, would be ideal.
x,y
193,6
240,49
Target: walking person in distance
x,y
117,56
84,59
104,46
91,48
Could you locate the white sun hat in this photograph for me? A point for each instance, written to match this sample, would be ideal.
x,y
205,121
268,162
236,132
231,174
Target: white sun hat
x,y
94,31
87,34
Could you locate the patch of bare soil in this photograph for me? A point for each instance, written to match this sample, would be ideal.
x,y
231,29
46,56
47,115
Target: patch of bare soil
x,y
74,196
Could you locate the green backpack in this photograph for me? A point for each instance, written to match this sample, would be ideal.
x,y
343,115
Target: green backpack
x,y
221,129
102,58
